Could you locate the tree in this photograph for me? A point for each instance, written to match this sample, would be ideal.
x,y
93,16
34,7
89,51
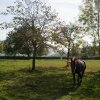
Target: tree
x,y
37,17
66,35
89,19
97,5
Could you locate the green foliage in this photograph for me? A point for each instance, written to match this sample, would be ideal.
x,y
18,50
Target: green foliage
x,y
51,81
33,19
42,50
67,36
18,42
89,18
13,43
88,50
1,46
87,14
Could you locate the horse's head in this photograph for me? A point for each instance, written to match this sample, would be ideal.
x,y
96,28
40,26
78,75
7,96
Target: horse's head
x,y
73,59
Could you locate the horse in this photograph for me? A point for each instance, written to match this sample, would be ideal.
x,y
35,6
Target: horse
x,y
78,67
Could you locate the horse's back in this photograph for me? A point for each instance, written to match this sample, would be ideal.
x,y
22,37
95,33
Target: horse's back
x,y
80,66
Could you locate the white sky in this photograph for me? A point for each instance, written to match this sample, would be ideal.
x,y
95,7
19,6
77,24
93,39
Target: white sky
x,y
68,11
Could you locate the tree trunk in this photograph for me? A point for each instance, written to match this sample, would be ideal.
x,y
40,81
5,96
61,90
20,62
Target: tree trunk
x,y
94,47
68,55
98,31
73,50
94,42
34,57
99,43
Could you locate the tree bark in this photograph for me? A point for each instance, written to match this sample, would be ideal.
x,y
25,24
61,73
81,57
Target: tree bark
x,y
94,47
68,54
98,31
73,50
34,57
94,42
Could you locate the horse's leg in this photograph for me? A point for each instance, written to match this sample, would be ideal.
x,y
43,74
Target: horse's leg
x,y
82,73
81,76
78,79
74,78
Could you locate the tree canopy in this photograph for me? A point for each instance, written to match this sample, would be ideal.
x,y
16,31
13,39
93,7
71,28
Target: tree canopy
x,y
32,20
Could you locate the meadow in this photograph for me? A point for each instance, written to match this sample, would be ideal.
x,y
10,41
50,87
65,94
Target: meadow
x,y
51,80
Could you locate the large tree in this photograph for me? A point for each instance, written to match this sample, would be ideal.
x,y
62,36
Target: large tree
x,y
37,17
89,18
97,6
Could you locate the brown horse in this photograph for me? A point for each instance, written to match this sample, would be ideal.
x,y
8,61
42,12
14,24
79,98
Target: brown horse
x,y
78,67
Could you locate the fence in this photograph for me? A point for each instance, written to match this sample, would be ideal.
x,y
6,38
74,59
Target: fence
x,y
26,58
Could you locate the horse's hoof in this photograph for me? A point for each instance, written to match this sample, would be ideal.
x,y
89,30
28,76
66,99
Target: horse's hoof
x,y
79,84
74,85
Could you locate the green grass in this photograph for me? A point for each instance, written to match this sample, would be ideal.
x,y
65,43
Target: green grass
x,y
50,81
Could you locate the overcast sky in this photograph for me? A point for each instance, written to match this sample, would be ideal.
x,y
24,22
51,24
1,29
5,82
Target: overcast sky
x,y
68,11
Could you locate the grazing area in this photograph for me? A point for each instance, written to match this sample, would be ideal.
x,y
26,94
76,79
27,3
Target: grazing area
x,y
51,80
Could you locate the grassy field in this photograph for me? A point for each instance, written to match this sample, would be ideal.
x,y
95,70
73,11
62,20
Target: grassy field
x,y
50,81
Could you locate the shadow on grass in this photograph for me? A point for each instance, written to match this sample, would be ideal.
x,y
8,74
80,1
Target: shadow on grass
x,y
42,84
46,84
